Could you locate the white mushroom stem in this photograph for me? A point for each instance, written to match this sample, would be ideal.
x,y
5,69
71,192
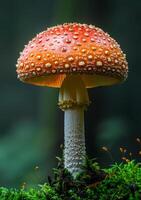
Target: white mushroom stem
x,y
73,99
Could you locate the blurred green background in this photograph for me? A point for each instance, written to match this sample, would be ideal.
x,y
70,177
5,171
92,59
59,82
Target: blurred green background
x,y
31,124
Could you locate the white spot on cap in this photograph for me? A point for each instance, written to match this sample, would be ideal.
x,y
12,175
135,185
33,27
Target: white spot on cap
x,y
83,50
27,67
53,71
106,52
109,59
38,69
90,57
21,64
68,41
56,62
38,57
48,65
86,34
81,63
116,61
67,65
75,37
99,63
70,59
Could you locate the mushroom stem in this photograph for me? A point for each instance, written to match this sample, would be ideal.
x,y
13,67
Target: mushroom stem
x,y
73,99
74,152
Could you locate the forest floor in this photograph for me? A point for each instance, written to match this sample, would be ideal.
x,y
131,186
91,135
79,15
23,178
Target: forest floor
x,y
119,181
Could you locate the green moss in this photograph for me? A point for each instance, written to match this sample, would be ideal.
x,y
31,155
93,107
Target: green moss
x,y
120,181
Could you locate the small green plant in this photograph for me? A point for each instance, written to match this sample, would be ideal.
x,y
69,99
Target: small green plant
x,y
119,181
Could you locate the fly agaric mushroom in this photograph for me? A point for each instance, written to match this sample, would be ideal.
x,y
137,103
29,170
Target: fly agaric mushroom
x,y
73,57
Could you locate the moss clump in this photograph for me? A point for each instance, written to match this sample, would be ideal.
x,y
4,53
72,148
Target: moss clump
x,y
120,181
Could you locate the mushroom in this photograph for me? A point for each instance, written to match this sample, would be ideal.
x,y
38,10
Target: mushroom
x,y
73,57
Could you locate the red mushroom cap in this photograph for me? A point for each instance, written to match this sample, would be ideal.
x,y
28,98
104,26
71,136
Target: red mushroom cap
x,y
72,49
